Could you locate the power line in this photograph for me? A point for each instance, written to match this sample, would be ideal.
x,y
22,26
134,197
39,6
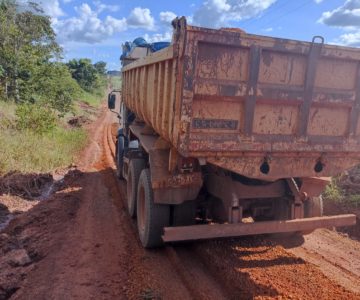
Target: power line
x,y
267,13
274,20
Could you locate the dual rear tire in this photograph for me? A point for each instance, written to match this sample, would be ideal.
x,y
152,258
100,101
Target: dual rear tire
x,y
151,217
134,171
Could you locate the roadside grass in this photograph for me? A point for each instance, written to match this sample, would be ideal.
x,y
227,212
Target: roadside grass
x,y
334,193
115,82
353,200
7,114
95,97
26,151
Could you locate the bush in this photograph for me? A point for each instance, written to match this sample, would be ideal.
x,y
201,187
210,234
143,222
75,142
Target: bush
x,y
333,192
35,117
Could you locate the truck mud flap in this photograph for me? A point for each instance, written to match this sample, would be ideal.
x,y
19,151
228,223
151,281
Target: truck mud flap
x,y
199,232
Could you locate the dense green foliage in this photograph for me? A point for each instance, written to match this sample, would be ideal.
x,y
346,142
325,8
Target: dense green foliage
x,y
38,92
36,118
27,43
30,71
88,76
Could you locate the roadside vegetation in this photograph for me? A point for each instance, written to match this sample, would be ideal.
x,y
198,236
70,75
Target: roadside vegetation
x,y
39,93
344,190
115,82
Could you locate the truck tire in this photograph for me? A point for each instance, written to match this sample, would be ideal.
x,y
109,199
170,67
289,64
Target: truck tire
x,y
151,217
120,145
313,207
135,168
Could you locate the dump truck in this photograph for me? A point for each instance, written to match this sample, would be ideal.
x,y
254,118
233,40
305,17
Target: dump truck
x,y
225,134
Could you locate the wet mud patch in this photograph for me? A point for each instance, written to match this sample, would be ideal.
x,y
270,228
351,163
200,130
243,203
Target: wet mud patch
x,y
78,121
28,186
21,192
35,231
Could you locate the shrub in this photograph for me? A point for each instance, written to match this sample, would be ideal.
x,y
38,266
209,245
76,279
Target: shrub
x,y
35,117
333,192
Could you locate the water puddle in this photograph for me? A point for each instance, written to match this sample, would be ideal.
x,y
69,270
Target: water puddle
x,y
21,202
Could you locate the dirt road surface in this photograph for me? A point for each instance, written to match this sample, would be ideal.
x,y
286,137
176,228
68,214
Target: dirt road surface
x,y
81,244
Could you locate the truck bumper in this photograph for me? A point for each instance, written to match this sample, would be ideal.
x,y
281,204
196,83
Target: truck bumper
x,y
199,232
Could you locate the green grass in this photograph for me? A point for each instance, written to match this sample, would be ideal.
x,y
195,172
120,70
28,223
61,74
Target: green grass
x,y
97,95
115,82
333,192
353,200
7,114
25,151
93,99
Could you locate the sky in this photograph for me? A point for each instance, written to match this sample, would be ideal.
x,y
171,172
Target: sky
x,y
96,29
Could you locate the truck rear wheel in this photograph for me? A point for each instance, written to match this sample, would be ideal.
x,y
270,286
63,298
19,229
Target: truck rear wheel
x,y
120,145
151,217
135,168
313,207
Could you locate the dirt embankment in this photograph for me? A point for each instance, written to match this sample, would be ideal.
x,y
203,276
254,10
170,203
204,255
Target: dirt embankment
x,y
81,244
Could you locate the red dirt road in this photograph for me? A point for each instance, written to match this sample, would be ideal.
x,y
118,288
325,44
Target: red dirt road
x,y
83,245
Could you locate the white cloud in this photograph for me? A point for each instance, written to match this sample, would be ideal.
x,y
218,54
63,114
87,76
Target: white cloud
x,y
100,7
167,17
87,27
217,13
158,37
269,29
318,1
349,39
141,18
346,15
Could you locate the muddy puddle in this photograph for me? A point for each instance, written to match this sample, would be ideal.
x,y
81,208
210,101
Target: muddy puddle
x,y
21,192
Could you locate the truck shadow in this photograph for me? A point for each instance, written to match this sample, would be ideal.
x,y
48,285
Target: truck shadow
x,y
249,267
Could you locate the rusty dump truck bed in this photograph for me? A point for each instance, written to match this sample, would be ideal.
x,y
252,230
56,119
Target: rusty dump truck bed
x,y
259,106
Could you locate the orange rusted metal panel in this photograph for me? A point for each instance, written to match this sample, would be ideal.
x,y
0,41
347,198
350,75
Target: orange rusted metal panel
x,y
237,100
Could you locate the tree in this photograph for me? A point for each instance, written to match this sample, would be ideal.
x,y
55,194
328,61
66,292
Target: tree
x,y
88,75
83,72
100,67
57,89
27,41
